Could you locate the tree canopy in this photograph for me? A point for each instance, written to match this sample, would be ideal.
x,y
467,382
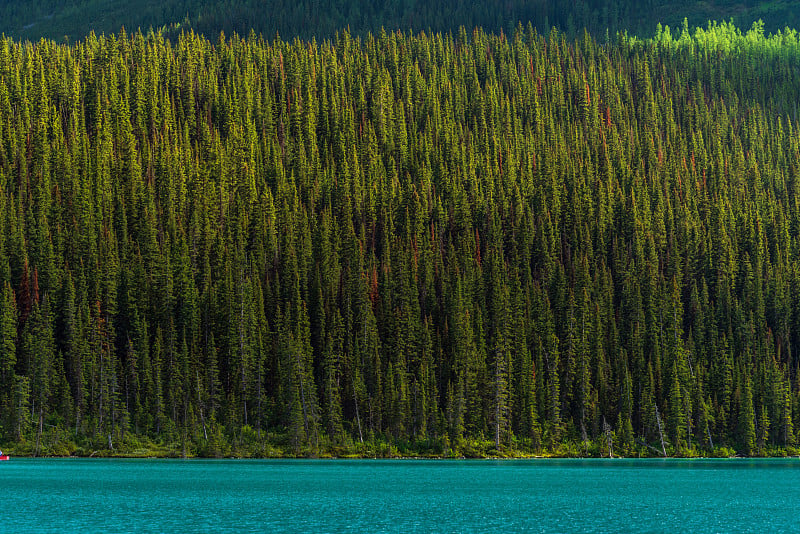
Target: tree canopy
x,y
307,19
448,244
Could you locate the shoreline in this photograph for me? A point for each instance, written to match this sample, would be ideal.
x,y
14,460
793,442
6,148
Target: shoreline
x,y
325,457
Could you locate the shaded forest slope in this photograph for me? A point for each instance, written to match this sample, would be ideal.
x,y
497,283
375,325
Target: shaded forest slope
x,y
75,19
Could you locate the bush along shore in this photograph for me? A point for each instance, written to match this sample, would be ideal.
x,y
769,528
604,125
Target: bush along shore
x,y
247,444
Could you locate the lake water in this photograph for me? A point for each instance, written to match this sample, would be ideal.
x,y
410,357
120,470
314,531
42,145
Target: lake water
x,y
92,495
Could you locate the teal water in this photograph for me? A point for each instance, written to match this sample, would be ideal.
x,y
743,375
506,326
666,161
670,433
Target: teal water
x,y
89,495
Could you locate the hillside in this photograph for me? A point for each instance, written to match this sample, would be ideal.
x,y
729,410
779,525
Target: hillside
x,y
429,244
75,19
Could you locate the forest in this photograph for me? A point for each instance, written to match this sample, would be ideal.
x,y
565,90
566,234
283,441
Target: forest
x,y
73,20
470,244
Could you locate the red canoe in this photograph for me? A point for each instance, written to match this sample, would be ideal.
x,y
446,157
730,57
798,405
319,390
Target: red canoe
x,y
5,457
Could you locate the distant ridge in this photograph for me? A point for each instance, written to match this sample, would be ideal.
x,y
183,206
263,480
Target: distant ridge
x,y
74,19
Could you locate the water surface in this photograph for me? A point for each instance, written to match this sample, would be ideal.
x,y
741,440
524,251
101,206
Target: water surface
x,y
92,495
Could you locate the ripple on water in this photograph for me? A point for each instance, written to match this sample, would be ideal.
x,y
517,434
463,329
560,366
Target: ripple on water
x,y
68,495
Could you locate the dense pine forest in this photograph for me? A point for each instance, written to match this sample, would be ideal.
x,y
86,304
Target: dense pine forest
x,y
469,244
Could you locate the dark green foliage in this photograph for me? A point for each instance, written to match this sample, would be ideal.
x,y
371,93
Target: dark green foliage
x,y
73,20
449,245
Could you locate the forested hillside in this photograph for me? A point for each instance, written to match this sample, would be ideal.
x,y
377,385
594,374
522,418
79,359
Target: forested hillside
x,y
73,20
479,244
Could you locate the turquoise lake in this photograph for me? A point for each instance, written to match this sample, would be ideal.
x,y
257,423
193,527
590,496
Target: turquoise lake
x,y
90,495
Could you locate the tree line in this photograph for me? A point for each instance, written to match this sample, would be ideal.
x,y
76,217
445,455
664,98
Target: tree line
x,y
73,20
449,244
